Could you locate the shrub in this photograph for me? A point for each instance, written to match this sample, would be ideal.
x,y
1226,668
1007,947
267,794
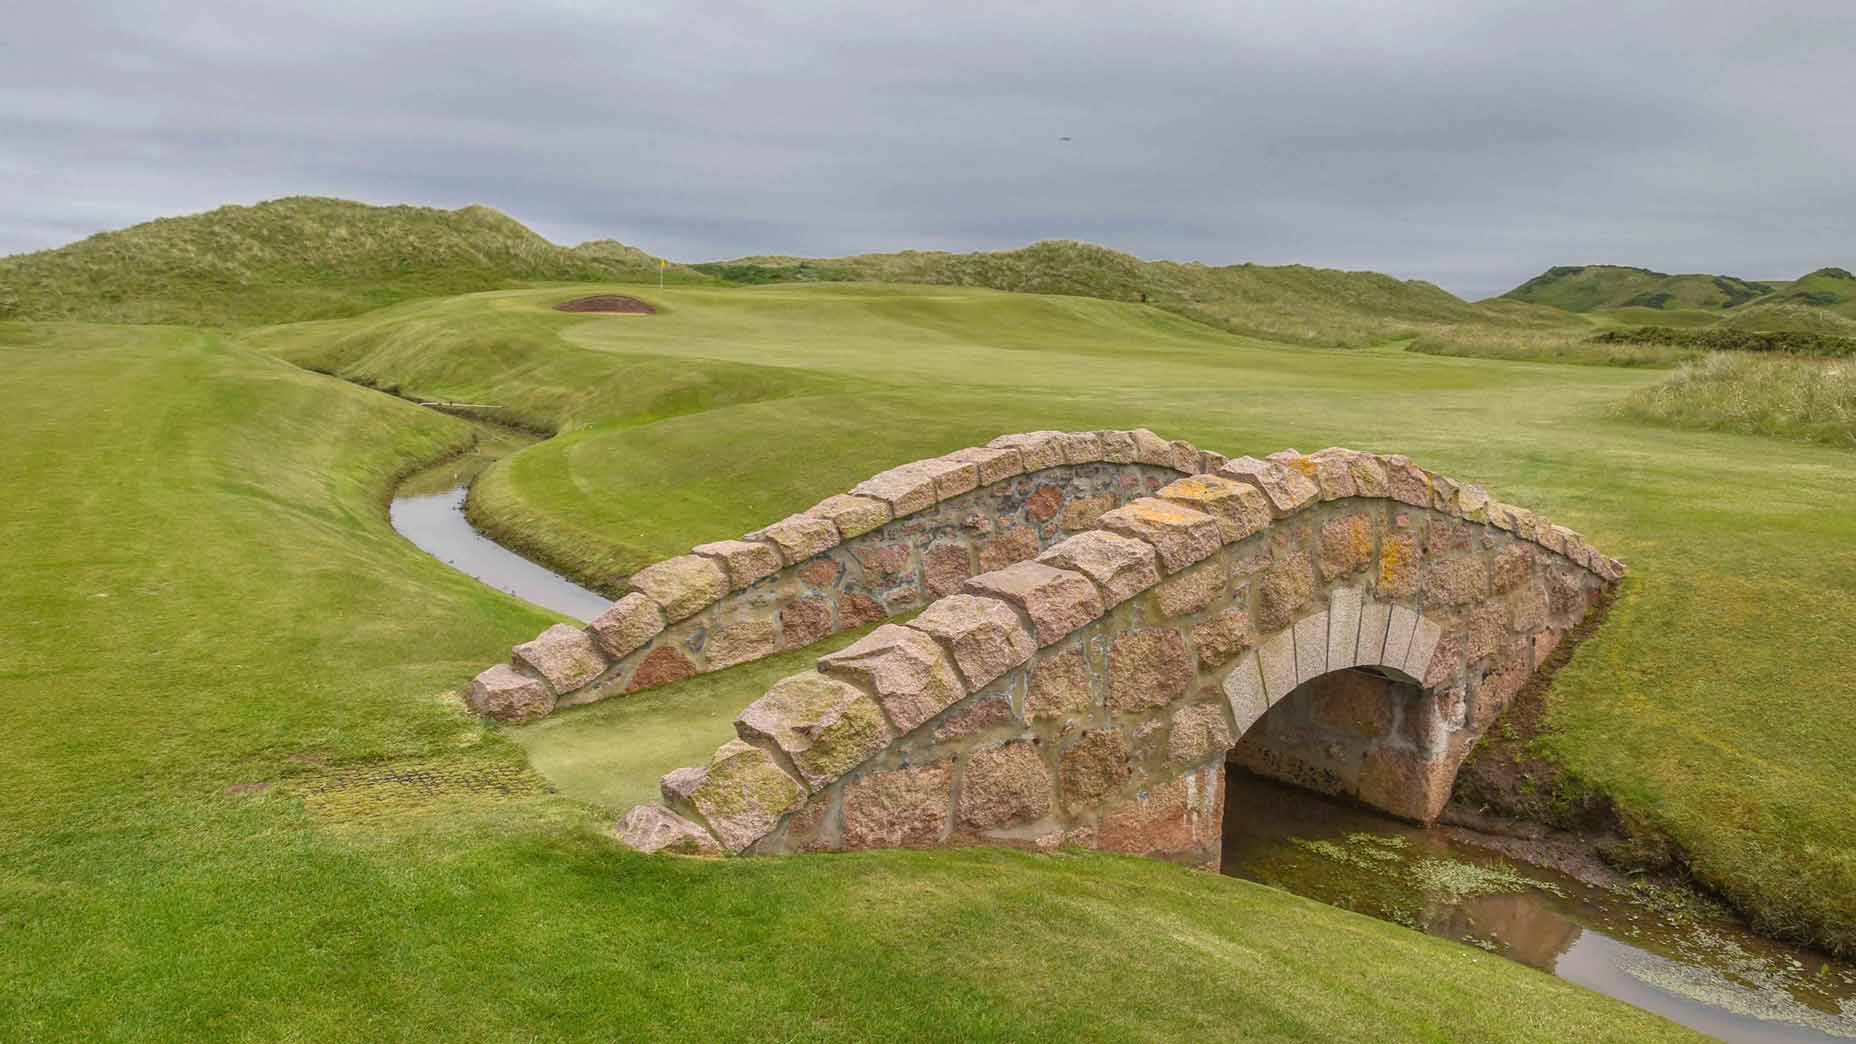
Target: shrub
x,y
1791,342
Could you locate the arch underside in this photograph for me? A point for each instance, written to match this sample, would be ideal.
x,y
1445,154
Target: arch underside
x,y
1092,696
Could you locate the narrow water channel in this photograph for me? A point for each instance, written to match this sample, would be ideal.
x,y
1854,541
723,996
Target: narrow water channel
x,y
1662,951
428,510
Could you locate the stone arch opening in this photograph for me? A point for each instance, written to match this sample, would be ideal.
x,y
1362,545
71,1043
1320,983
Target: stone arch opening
x,y
1361,733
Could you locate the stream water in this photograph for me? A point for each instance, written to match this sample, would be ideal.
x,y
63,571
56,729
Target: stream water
x,y
1659,949
428,510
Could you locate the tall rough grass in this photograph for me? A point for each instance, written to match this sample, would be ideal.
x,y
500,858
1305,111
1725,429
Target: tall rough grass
x,y
1790,397
1546,345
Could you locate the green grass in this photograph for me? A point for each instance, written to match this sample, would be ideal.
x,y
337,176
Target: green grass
x,y
203,595
1576,347
1808,400
1714,701
298,258
1295,303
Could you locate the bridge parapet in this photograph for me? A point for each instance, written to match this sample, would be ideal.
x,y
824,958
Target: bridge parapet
x,y
1091,693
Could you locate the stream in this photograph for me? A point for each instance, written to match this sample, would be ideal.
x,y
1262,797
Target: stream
x,y
1665,951
428,510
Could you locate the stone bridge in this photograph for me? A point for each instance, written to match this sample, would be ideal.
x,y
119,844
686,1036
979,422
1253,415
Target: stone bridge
x,y
1107,620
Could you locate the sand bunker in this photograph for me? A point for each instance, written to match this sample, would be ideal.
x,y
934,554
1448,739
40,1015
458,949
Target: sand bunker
x,y
607,304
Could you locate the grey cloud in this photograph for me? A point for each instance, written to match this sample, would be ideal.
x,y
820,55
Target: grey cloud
x,y
1471,144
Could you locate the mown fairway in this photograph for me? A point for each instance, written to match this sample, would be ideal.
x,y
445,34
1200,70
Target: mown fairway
x,y
1715,701
203,594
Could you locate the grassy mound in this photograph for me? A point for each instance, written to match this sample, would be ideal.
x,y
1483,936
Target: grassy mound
x,y
237,805
1740,581
298,258
1586,288
1810,400
1295,303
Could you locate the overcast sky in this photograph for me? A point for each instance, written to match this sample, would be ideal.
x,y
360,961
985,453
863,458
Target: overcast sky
x,y
1469,143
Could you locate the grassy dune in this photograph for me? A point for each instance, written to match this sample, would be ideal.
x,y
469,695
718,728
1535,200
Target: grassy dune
x,y
238,805
298,258
1315,306
1714,702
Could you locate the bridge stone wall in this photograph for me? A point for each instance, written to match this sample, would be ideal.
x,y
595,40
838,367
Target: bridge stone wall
x,y
893,544
1092,695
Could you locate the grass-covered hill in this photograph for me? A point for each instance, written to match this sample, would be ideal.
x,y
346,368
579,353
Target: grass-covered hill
x,y
1591,288
1291,302
299,258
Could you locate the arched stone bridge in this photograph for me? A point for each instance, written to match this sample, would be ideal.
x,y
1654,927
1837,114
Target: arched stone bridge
x,y
1110,620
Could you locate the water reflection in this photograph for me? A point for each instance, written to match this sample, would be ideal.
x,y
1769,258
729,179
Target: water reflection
x,y
437,526
1708,974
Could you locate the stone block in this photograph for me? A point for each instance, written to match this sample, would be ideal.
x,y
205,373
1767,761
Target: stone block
x,y
681,586
1243,690
1406,784
854,516
1406,482
906,489
1222,637
740,639
1057,601
1375,617
1276,656
1037,449
946,566
1398,637
1061,687
1180,535
995,463
1344,626
952,477
1117,446
1185,457
983,635
1178,819
1345,545
1288,490
741,794
1014,543
1365,472
1286,589
1151,449
902,808
1147,669
800,537
977,716
746,561
653,828
627,626
1199,731
1080,447
1424,638
1044,503
1121,567
506,694
1193,589
1004,786
1400,559
1311,647
825,727
565,657
661,666
911,676
1239,508
1094,766
1513,565
1084,512
804,621
1456,582
856,610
